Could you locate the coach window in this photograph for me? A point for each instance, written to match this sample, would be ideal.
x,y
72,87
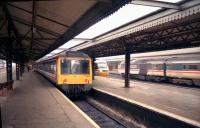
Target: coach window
x,y
48,67
177,66
185,67
122,65
52,63
193,67
134,66
159,66
153,66
54,66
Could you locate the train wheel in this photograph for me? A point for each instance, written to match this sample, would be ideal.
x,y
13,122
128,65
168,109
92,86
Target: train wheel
x,y
196,83
186,82
122,75
147,78
158,79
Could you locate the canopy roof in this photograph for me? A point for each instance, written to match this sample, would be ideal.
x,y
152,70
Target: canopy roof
x,y
173,26
34,28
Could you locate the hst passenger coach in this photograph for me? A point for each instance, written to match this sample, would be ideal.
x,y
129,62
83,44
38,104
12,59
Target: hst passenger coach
x,y
182,69
71,71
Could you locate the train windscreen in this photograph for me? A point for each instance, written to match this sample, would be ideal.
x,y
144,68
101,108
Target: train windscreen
x,y
102,65
74,66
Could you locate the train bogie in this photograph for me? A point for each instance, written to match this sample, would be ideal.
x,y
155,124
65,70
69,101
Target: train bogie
x,y
196,82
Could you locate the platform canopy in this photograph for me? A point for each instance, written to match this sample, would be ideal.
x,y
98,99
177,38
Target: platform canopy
x,y
168,26
31,29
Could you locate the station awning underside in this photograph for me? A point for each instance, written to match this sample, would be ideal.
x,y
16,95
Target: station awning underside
x,y
163,30
31,29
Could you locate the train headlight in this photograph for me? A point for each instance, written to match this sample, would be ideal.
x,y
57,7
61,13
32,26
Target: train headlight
x,y
64,81
87,81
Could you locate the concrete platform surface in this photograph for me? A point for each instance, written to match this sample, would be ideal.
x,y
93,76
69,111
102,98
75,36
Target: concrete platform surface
x,y
35,103
180,101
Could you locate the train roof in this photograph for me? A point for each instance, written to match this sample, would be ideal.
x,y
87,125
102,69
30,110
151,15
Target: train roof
x,y
184,62
190,58
72,54
100,61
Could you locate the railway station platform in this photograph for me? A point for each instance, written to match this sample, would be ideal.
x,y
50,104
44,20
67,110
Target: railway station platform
x,y
36,103
179,102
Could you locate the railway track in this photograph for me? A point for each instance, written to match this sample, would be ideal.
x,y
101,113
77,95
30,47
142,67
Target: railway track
x,y
100,117
111,112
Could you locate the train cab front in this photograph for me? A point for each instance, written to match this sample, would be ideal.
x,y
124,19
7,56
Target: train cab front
x,y
75,75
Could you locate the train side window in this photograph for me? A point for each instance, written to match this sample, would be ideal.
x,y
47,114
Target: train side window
x,y
184,67
95,66
52,67
174,67
193,67
134,66
178,66
153,66
159,66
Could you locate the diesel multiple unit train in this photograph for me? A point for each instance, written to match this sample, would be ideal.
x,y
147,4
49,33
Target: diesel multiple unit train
x,y
70,70
182,69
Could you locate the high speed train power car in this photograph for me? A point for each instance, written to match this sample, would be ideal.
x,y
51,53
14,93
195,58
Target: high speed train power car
x,y
101,68
71,71
184,69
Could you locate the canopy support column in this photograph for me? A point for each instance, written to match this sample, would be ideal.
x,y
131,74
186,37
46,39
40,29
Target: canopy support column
x,y
93,67
9,62
127,67
17,71
21,69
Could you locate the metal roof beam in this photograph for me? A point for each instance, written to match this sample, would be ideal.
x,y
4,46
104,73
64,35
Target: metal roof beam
x,y
46,18
26,38
33,29
41,44
27,23
2,24
104,1
154,3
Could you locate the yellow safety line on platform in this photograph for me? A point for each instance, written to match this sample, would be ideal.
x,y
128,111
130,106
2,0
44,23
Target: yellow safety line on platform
x,y
79,110
184,119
